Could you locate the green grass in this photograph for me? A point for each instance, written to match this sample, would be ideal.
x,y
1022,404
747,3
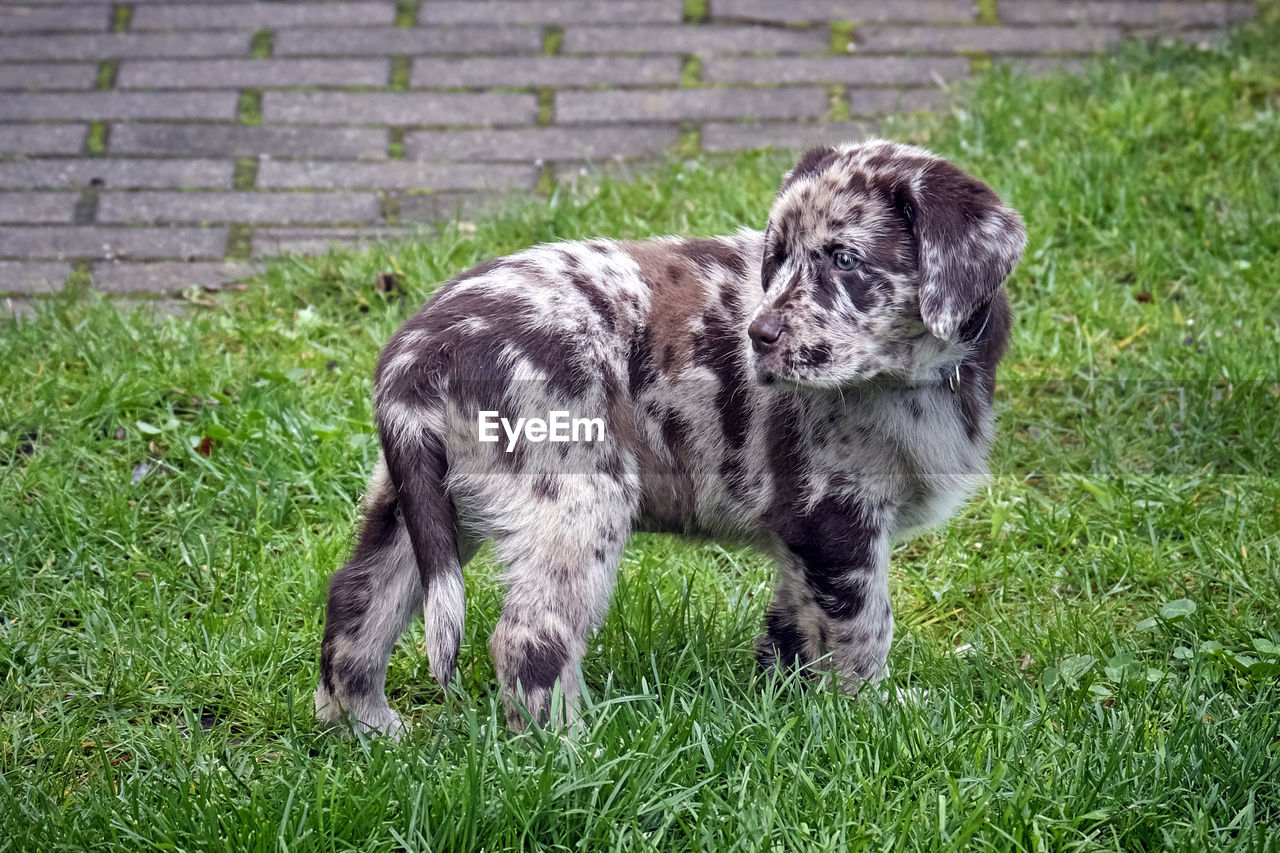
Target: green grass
x,y
160,607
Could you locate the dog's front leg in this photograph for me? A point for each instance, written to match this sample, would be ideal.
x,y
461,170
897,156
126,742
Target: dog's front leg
x,y
831,603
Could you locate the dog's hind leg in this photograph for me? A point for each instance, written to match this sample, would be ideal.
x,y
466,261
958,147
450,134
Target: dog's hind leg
x,y
372,598
561,562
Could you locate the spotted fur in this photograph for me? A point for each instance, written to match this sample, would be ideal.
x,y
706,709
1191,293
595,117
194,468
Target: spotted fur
x,y
813,391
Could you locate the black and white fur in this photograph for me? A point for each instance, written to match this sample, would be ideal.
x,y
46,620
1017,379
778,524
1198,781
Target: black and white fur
x,y
813,391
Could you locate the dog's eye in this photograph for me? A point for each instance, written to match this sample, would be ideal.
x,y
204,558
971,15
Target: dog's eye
x,y
845,261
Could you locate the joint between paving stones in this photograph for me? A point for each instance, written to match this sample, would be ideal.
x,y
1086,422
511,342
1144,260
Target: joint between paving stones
x,y
389,207
839,110
546,106
249,107
988,12
245,176
86,209
401,69
688,139
841,38
553,41
690,72
406,13
239,242
696,11
546,184
95,141
980,62
395,143
121,18
108,71
263,44
80,279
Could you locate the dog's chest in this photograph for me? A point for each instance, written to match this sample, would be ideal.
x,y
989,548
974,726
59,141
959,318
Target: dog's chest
x,y
902,451
945,458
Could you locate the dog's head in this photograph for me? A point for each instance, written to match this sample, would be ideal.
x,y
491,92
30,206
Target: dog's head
x,y
875,256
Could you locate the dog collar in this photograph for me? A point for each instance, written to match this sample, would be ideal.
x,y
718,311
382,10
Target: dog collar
x,y
950,375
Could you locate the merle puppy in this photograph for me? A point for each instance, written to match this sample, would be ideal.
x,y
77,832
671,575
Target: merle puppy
x,y
813,391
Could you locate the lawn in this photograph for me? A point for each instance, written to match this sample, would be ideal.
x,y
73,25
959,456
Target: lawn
x,y
1088,653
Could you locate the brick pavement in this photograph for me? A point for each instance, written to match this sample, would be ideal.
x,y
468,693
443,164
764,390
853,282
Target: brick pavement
x,y
148,146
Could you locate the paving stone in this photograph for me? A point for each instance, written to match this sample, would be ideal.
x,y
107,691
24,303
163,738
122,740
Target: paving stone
x,y
157,308
396,176
582,177
447,207
876,102
126,45
863,70
119,105
42,138
250,73
28,19
997,39
282,208
705,39
1039,66
110,173
88,2
416,41
316,241
19,310
29,76
168,276
43,208
252,16
1201,37
677,104
24,277
552,12
345,143
545,71
926,11
745,136
412,108
109,243
1130,12
539,143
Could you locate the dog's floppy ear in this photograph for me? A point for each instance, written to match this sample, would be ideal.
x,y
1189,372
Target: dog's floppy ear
x,y
810,163
967,241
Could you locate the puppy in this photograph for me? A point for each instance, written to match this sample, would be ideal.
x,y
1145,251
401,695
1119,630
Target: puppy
x,y
812,391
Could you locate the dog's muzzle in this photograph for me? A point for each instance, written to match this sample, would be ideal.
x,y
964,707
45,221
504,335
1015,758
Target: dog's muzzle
x,y
764,332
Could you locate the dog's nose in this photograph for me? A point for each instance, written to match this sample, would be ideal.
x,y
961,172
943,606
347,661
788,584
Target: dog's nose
x,y
764,332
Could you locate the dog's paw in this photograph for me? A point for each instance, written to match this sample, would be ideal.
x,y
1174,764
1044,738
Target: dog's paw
x,y
386,724
375,721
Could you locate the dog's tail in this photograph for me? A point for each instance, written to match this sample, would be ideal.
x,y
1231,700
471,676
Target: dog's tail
x,y
418,467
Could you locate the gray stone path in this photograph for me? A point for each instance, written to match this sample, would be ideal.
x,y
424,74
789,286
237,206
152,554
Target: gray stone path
x,y
148,146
